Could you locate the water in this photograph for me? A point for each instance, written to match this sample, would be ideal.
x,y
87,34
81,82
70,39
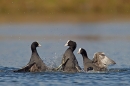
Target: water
x,y
111,38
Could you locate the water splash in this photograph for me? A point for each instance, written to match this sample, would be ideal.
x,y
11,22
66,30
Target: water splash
x,y
53,62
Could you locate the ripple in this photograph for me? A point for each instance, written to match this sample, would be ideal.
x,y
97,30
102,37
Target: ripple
x,y
120,75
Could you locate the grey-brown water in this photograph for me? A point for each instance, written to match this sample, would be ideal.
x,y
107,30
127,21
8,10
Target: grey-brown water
x,y
111,38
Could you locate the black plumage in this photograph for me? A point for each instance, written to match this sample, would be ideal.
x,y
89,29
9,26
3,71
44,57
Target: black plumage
x,y
88,65
69,61
99,62
35,64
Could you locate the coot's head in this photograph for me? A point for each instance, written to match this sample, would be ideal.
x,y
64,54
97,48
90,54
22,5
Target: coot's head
x,y
81,51
70,43
34,45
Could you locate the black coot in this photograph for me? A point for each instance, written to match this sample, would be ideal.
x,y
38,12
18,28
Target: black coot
x,y
100,61
69,62
88,65
35,64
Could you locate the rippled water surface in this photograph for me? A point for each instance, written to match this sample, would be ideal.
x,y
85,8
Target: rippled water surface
x,y
111,38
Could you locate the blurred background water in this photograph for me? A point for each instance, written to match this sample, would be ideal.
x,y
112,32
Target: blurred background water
x,y
94,25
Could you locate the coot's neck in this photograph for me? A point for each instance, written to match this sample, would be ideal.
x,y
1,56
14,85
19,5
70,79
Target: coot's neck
x,y
34,50
85,56
72,48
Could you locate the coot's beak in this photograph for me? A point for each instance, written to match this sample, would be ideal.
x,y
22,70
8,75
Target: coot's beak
x,y
79,51
39,45
66,44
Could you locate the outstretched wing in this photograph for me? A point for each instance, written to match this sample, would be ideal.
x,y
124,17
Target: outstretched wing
x,y
105,60
27,68
101,60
